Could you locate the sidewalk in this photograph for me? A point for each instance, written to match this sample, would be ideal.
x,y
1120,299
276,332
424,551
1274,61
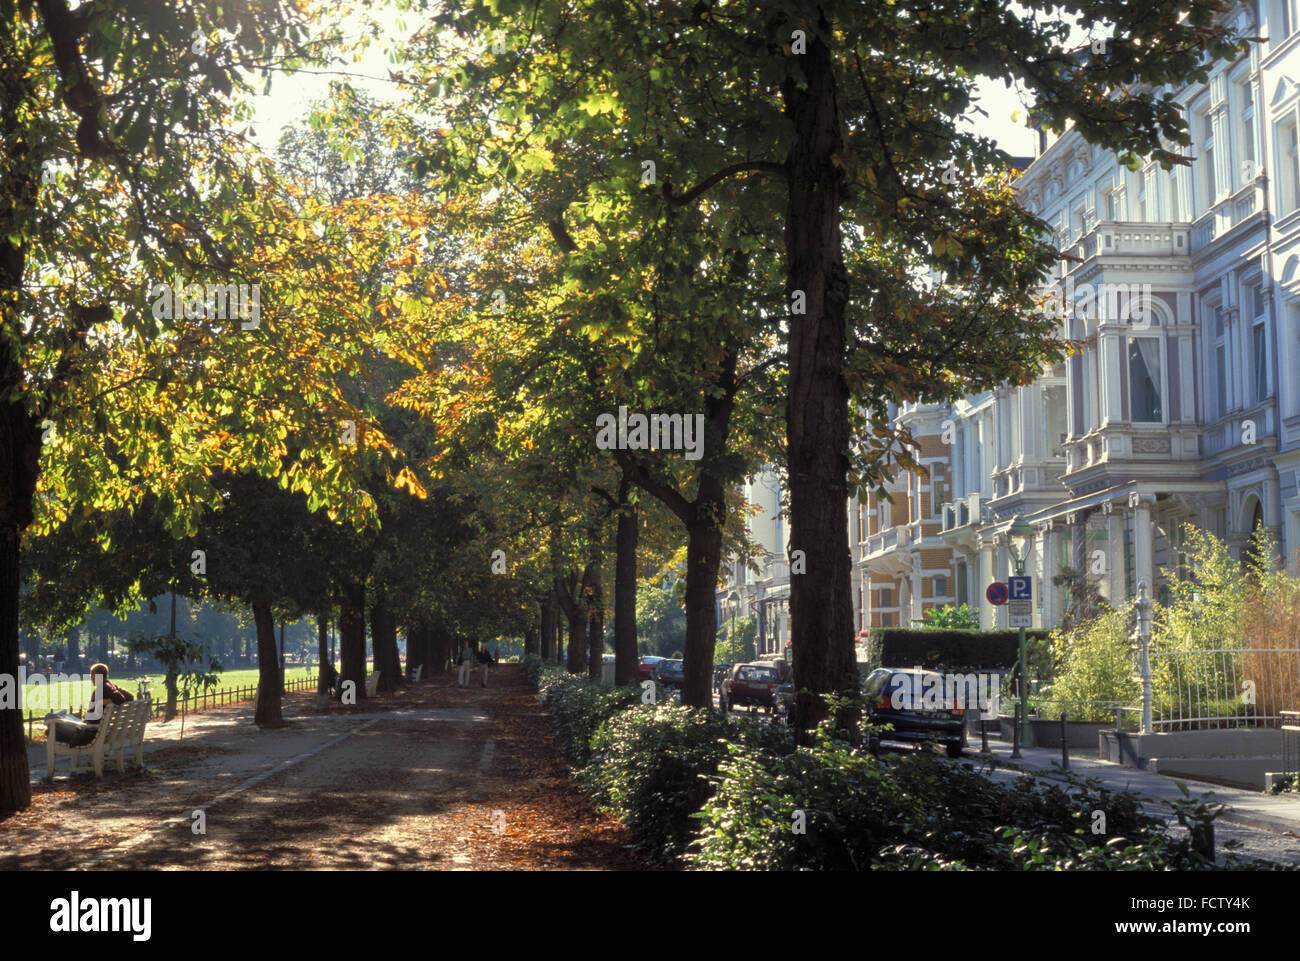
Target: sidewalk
x,y
1254,809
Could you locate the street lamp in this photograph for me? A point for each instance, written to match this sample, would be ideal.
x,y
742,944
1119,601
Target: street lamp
x,y
1019,539
732,600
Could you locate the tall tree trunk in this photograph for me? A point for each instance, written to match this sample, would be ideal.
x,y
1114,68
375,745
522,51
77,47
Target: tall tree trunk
x,y
625,653
703,560
15,785
352,637
383,638
103,645
594,600
530,639
267,714
817,399
74,665
568,593
548,627
322,654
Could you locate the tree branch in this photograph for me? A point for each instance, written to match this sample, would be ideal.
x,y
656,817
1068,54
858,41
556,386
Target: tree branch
x,y
679,200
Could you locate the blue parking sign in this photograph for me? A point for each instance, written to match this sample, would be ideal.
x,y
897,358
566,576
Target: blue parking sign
x,y
1022,588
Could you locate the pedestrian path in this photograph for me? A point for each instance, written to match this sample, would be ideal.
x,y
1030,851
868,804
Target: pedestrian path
x,y
1254,809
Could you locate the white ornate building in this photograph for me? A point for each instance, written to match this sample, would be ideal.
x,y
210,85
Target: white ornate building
x,y
1188,411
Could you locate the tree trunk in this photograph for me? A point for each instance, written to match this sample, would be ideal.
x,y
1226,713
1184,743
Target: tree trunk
x,y
625,653
322,654
703,559
530,640
267,714
548,627
74,665
817,399
594,600
383,639
280,660
15,785
576,612
352,638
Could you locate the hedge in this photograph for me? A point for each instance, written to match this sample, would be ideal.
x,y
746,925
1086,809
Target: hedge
x,y
956,650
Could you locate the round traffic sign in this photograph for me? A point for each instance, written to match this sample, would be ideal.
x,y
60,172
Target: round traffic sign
x,y
997,593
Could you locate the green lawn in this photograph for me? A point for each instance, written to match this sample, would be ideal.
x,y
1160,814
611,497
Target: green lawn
x,y
38,700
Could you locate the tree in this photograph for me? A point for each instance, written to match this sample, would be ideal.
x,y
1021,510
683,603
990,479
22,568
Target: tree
x,y
841,117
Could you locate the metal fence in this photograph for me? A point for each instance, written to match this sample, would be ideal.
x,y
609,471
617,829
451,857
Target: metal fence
x,y
194,702
1291,746
1209,689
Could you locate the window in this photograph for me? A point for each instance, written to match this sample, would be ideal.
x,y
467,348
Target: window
x,y
1211,188
1259,346
1288,164
1222,401
1247,100
1144,380
941,586
886,597
1280,23
963,584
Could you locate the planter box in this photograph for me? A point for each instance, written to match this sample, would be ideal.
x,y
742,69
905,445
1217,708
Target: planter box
x,y
1081,734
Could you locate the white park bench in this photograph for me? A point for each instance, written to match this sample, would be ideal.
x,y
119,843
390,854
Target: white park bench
x,y
372,683
120,729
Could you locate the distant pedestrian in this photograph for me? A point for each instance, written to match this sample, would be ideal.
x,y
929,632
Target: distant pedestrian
x,y
485,658
466,662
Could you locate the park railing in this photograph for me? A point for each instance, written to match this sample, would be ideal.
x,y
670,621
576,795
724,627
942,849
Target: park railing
x,y
77,700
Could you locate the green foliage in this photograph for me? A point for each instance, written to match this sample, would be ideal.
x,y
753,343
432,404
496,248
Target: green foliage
x,y
962,618
578,707
1095,662
650,768
915,812
957,650
660,618
740,648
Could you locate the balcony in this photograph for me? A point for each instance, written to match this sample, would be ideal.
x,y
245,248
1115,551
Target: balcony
x,y
961,512
1127,238
1224,215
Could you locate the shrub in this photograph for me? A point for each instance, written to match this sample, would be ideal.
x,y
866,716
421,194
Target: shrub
x,y
1095,662
650,768
578,707
913,812
532,667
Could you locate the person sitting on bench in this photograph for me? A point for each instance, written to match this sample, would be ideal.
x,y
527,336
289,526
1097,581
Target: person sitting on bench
x,y
80,731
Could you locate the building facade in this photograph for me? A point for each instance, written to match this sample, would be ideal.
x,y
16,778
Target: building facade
x,y
1183,405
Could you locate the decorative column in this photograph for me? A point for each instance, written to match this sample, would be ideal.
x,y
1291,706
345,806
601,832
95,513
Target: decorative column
x,y
1048,566
1116,589
1143,547
987,611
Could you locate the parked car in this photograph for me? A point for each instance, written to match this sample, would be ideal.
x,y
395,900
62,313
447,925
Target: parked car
x,y
895,695
645,670
670,672
751,684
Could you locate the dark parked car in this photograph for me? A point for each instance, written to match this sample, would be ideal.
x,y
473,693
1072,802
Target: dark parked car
x,y
671,672
785,698
751,684
897,696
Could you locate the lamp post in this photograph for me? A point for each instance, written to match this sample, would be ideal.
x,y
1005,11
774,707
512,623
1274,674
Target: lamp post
x,y
732,600
1019,537
1144,605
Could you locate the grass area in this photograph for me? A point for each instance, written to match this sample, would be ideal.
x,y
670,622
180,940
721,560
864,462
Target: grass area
x,y
40,699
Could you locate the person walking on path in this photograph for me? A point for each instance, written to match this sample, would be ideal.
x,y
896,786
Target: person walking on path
x,y
466,662
485,658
